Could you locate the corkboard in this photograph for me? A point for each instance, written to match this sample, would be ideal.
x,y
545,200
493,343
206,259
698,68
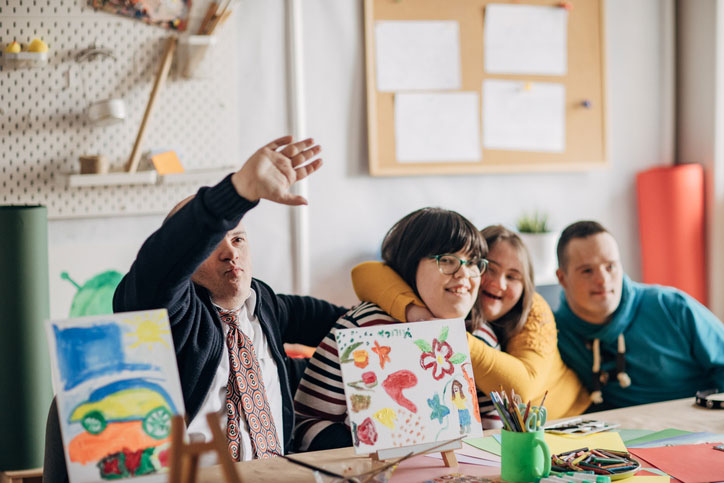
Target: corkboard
x,y
585,133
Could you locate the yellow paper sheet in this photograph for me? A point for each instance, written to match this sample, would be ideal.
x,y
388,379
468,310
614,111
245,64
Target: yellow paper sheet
x,y
605,440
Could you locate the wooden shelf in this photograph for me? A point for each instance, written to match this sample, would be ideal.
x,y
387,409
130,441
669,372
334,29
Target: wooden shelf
x,y
201,175
204,176
75,180
24,60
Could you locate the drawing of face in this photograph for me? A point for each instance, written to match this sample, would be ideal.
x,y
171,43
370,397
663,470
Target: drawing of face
x,y
593,277
457,389
447,296
226,273
502,284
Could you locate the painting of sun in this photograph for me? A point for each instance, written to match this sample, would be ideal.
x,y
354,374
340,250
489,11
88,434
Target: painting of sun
x,y
117,388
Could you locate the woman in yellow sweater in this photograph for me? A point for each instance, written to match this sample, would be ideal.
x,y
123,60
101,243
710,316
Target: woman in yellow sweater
x,y
523,322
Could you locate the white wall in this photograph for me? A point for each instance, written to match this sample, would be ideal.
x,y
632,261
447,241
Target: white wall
x,y
350,211
701,117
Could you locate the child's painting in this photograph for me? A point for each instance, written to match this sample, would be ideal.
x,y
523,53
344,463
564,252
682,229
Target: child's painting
x,y
172,14
408,384
84,275
117,387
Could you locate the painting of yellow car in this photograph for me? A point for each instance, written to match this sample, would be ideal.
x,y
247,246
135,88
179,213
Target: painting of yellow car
x,y
127,400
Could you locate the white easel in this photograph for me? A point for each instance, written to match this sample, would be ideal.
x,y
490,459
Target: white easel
x,y
447,449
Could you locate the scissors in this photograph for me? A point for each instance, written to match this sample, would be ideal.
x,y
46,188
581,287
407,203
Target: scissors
x,y
536,417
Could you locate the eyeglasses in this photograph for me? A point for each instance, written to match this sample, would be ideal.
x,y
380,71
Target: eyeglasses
x,y
450,264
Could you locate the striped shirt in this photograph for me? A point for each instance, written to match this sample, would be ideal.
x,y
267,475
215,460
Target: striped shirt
x,y
320,401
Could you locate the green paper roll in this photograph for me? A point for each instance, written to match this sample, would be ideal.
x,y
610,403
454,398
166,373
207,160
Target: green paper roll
x,y
25,382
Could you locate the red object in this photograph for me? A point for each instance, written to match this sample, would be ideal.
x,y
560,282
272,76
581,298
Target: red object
x,y
690,463
369,377
366,432
396,382
672,227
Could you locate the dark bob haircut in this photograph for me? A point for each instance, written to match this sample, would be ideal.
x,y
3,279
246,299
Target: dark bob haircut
x,y
426,232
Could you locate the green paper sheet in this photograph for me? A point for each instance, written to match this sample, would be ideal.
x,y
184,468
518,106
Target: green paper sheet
x,y
632,434
487,443
663,434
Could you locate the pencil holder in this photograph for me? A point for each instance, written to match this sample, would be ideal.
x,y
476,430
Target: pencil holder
x,y
524,456
192,49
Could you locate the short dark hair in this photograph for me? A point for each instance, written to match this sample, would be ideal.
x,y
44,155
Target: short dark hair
x,y
579,229
426,232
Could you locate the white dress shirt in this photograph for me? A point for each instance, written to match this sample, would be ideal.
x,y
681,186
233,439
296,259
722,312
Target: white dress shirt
x,y
215,401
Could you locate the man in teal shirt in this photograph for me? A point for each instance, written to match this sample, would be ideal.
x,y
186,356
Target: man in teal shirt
x,y
630,343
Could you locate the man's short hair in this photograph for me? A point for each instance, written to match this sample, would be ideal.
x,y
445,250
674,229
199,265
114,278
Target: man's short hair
x,y
178,207
579,229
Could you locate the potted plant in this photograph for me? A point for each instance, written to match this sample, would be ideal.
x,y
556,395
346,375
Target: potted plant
x,y
541,241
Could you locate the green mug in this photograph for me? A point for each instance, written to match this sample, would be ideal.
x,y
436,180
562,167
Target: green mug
x,y
524,456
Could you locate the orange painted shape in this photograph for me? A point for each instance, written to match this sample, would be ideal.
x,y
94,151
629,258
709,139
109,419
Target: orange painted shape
x,y
672,227
167,163
383,351
88,448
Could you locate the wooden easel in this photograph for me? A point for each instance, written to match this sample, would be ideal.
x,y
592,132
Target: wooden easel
x,y
446,449
184,458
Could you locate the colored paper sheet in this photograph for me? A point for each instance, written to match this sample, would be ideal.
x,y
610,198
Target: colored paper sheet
x,y
655,436
488,443
167,163
468,450
526,39
417,55
691,438
440,127
607,440
687,463
645,479
524,116
421,468
467,459
632,434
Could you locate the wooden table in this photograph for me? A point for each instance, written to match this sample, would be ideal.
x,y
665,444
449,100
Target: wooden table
x,y
680,414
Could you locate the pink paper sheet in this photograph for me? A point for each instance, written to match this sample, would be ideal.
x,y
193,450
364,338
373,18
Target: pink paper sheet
x,y
694,463
421,468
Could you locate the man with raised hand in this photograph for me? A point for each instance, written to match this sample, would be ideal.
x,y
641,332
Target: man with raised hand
x,y
227,327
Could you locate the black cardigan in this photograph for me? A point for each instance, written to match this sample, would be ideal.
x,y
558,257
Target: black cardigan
x,y
161,277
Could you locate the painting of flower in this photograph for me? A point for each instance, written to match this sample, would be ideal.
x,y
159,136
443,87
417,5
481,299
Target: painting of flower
x,y
439,357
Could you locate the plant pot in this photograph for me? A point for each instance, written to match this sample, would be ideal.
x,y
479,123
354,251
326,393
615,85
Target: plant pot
x,y
542,248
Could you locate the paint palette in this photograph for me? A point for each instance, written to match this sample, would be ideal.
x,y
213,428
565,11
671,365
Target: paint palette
x,y
408,384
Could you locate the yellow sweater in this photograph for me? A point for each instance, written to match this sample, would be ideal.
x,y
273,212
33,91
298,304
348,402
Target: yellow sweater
x,y
531,365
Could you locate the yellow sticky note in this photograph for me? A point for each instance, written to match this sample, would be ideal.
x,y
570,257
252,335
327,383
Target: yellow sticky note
x,y
167,163
605,440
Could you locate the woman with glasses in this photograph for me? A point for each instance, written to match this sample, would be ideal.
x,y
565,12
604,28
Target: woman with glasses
x,y
440,256
522,323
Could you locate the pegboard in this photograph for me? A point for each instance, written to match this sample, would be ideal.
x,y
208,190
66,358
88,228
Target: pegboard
x,y
43,125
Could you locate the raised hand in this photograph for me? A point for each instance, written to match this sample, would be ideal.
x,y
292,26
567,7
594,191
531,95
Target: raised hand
x,y
271,171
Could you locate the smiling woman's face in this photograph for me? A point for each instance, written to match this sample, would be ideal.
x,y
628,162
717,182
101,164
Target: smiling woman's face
x,y
502,284
447,296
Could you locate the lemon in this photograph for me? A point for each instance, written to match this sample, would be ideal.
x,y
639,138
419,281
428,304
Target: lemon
x,y
37,45
12,48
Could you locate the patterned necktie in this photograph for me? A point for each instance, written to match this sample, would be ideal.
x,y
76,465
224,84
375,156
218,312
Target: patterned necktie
x,y
246,396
